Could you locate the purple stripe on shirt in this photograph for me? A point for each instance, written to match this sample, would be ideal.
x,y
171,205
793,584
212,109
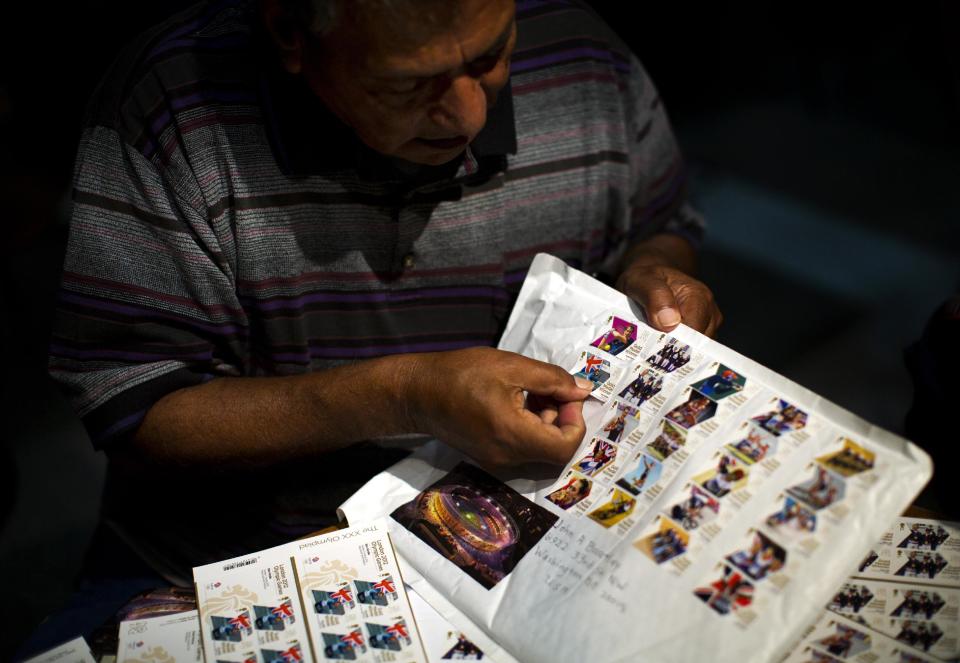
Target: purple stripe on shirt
x,y
375,297
597,251
121,425
377,350
663,200
212,10
223,329
554,58
162,120
515,277
212,95
216,42
179,103
123,355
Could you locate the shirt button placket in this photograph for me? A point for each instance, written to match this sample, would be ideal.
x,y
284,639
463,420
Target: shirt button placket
x,y
408,259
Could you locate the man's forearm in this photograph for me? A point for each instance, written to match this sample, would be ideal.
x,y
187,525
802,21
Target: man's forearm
x,y
265,420
473,399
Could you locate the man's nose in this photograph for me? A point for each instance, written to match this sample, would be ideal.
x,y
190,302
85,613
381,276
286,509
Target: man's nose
x,y
463,106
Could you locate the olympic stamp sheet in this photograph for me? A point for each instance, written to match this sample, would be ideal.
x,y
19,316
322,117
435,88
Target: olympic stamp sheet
x,y
338,596
835,638
923,617
170,638
709,496
918,551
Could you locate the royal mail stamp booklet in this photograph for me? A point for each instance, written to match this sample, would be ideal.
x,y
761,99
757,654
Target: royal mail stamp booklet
x,y
336,596
712,511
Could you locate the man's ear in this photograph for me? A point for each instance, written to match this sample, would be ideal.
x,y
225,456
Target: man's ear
x,y
286,32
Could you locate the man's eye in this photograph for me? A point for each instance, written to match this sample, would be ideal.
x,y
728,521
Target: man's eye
x,y
406,87
484,64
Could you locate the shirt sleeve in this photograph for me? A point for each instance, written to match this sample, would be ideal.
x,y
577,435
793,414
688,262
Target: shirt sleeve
x,y
659,200
147,303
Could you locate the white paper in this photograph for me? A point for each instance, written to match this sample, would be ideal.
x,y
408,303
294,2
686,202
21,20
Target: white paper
x,y
338,596
167,639
721,515
442,640
74,651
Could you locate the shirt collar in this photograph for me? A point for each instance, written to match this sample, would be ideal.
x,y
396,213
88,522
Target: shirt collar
x,y
307,139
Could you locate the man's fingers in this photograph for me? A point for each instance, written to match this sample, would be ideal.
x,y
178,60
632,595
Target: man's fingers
x,y
549,443
548,414
657,298
571,414
715,321
696,314
670,297
545,379
699,309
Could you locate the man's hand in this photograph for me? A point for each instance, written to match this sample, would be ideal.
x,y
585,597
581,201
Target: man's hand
x,y
669,296
656,274
474,400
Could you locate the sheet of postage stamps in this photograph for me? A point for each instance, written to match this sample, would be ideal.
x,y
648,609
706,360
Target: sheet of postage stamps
x,y
601,371
835,638
918,551
663,401
924,617
704,479
629,360
670,401
170,639
814,504
338,596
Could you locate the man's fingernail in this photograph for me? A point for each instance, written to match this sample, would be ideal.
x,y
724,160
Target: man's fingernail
x,y
667,317
583,383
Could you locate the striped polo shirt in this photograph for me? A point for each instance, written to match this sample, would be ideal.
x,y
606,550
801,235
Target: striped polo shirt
x,y
225,224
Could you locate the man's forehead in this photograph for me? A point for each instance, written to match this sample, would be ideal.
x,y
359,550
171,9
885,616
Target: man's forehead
x,y
415,44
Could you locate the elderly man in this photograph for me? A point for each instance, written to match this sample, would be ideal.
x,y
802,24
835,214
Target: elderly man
x,y
296,226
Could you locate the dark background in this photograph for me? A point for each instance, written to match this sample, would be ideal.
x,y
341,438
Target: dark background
x,y
823,142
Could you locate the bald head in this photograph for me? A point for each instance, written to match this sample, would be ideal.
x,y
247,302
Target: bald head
x,y
322,16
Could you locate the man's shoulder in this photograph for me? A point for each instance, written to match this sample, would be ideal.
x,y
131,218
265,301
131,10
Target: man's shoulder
x,y
199,57
570,73
568,57
548,30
